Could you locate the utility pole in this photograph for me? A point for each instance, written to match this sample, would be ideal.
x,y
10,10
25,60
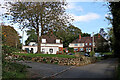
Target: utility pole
x,y
22,38
93,43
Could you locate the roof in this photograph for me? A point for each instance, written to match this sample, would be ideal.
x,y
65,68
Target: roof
x,y
50,38
86,39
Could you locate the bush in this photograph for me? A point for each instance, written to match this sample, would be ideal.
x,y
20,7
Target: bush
x,y
8,49
92,53
13,70
71,50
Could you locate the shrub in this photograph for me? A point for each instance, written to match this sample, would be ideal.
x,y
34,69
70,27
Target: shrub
x,y
92,53
8,49
71,50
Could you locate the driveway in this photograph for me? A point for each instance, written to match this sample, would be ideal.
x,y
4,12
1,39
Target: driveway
x,y
43,70
102,69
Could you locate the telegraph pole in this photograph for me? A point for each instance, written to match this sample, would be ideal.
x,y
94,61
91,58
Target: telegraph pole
x,y
22,38
93,43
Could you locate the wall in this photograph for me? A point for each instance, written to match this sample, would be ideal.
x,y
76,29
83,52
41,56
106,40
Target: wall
x,y
78,61
46,47
79,45
34,48
55,49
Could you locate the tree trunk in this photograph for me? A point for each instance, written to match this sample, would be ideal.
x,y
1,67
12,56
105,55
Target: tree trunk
x,y
38,39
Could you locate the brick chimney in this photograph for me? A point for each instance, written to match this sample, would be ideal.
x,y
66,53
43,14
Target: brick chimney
x,y
98,35
79,36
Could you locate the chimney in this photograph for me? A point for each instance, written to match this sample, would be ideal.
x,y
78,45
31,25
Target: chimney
x,y
51,32
79,36
98,35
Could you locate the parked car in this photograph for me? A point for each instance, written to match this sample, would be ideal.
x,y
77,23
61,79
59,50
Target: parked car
x,y
97,55
70,54
86,54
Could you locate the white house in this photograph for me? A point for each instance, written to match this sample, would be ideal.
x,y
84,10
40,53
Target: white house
x,y
50,45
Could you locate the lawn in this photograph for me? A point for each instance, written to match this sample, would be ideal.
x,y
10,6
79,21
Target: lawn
x,y
45,55
107,53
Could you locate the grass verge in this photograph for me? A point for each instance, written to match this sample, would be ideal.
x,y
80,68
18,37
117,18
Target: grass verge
x,y
107,53
45,55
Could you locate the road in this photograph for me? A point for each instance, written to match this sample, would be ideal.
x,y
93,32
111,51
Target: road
x,y
102,69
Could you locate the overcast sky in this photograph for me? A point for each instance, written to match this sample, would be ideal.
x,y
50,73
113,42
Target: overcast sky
x,y
88,16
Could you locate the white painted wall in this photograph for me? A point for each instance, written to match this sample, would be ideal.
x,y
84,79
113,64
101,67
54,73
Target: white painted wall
x,y
59,45
46,47
31,43
34,48
47,50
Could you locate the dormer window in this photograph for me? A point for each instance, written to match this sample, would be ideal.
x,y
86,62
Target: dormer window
x,y
57,40
43,40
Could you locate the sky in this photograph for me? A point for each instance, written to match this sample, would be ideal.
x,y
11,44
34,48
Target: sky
x,y
88,16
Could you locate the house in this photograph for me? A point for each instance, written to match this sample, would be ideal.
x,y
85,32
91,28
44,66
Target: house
x,y
50,45
85,44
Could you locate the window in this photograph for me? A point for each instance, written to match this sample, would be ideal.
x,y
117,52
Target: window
x,y
31,51
33,44
89,49
81,49
81,44
86,49
57,40
43,50
75,49
51,50
43,40
90,44
76,44
86,44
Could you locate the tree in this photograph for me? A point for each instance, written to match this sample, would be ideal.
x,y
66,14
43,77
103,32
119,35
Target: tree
x,y
10,37
115,11
111,37
39,16
32,36
68,35
102,32
101,43
85,35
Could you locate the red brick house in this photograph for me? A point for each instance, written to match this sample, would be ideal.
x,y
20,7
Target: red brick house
x,y
85,44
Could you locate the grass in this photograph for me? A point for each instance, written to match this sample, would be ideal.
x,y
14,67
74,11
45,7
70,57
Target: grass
x,y
107,53
99,58
13,70
45,55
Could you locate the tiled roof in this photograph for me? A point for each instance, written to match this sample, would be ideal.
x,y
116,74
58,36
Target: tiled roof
x,y
85,39
50,38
